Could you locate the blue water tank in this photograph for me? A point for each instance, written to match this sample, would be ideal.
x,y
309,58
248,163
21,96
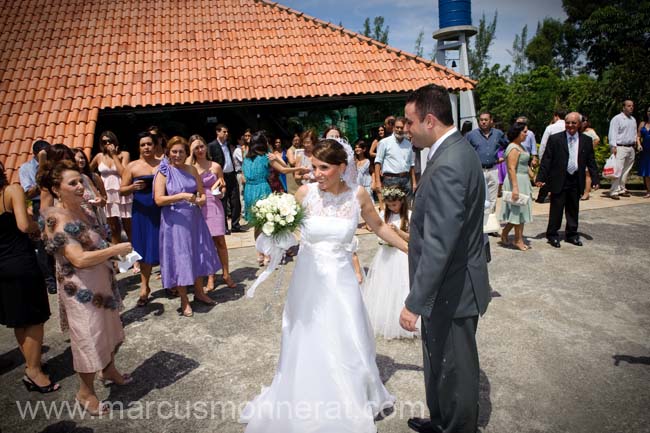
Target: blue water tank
x,y
455,13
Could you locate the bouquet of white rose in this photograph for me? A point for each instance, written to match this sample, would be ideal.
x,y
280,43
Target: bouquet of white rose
x,y
277,216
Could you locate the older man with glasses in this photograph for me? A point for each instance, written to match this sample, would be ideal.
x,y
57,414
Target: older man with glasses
x,y
568,154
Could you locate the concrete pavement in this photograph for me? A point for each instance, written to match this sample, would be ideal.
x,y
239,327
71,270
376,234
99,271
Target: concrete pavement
x,y
564,346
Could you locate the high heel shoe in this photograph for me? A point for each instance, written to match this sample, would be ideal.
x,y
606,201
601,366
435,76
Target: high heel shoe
x,y
102,409
32,386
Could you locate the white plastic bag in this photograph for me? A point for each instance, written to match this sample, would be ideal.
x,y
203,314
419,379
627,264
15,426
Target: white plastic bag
x,y
612,169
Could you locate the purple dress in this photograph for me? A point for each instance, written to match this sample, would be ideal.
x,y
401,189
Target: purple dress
x,y
501,167
213,209
186,248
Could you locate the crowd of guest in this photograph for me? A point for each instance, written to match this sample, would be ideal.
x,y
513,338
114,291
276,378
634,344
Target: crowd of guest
x,y
177,202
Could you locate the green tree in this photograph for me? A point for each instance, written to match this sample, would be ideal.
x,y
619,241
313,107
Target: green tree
x,y
379,30
478,56
616,39
419,50
554,44
518,52
366,28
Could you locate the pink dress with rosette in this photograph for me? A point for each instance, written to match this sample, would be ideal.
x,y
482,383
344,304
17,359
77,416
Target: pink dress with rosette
x,y
88,297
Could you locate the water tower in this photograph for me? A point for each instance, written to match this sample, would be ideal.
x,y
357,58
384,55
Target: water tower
x,y
455,20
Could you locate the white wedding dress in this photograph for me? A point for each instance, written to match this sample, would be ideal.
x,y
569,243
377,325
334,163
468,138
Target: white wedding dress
x,y
327,379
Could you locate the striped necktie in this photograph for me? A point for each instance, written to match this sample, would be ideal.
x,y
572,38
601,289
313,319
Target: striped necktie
x,y
572,166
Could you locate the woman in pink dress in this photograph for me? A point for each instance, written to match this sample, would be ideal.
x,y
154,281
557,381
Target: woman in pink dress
x,y
88,295
215,186
111,163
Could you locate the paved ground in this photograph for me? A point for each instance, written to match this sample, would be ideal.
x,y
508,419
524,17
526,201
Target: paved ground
x,y
564,346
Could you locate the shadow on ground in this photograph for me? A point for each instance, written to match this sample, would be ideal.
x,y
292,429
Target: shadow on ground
x,y
66,427
159,371
645,360
13,358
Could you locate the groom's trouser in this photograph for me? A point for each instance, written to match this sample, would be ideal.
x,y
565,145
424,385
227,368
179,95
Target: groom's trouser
x,y
451,372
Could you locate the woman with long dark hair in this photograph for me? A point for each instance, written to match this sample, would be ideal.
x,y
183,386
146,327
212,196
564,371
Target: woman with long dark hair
x,y
256,168
111,163
23,297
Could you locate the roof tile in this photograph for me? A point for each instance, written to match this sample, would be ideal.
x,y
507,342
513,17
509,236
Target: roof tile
x,y
93,58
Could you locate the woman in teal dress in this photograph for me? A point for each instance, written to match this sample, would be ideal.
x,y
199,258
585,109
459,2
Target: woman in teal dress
x,y
517,182
256,172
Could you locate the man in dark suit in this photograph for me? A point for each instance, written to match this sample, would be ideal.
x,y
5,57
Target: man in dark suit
x,y
562,170
447,266
221,153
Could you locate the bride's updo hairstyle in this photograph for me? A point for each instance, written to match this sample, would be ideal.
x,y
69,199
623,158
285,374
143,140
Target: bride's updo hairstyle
x,y
330,151
50,174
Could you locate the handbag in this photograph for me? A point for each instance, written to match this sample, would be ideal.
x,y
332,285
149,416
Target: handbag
x,y
491,224
521,201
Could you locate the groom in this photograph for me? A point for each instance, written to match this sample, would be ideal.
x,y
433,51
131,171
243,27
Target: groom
x,y
447,268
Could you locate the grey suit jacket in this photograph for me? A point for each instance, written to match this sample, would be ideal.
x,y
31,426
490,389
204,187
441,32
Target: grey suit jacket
x,y
447,267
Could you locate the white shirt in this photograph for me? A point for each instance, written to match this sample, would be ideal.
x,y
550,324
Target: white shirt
x,y
238,158
438,142
530,144
576,144
227,164
556,127
622,130
395,157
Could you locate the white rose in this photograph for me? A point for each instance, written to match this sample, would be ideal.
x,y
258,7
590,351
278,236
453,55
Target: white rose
x,y
283,223
268,228
290,219
269,217
278,218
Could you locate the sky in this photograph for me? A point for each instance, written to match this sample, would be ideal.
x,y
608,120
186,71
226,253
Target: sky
x,y
407,17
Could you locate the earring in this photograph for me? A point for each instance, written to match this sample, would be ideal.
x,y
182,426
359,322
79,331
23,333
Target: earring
x,y
341,178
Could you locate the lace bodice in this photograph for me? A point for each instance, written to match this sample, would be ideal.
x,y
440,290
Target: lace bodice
x,y
325,204
330,217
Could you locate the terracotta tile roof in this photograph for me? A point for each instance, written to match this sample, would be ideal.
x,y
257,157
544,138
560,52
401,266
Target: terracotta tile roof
x,y
63,61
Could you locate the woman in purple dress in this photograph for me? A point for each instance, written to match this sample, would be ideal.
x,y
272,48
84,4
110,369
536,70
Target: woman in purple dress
x,y
215,186
186,249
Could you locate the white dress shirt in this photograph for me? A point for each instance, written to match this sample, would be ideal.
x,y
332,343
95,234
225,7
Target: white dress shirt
x,y
622,130
227,164
556,127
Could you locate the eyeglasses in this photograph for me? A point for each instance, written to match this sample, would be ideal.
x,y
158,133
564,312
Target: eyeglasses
x,y
107,141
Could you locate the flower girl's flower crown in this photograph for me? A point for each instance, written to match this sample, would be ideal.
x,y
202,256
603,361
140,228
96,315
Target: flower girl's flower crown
x,y
393,193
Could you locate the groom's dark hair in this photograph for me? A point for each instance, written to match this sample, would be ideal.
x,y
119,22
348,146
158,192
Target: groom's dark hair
x,y
432,99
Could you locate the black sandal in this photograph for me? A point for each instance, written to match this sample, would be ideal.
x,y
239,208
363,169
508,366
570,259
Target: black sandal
x,y
142,301
31,386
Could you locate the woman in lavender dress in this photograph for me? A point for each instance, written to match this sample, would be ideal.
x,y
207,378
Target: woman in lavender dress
x,y
186,249
215,186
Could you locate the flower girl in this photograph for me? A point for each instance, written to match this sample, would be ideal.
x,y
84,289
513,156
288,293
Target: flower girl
x,y
387,283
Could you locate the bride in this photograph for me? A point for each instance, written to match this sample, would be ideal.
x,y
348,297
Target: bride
x,y
327,380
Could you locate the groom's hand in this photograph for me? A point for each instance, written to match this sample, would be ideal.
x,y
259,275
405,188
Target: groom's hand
x,y
407,320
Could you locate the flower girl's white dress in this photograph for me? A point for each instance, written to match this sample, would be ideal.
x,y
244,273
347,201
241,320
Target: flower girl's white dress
x,y
327,379
386,287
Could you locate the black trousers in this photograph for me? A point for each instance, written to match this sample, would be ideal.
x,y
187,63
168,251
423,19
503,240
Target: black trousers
x,y
230,201
565,202
451,372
